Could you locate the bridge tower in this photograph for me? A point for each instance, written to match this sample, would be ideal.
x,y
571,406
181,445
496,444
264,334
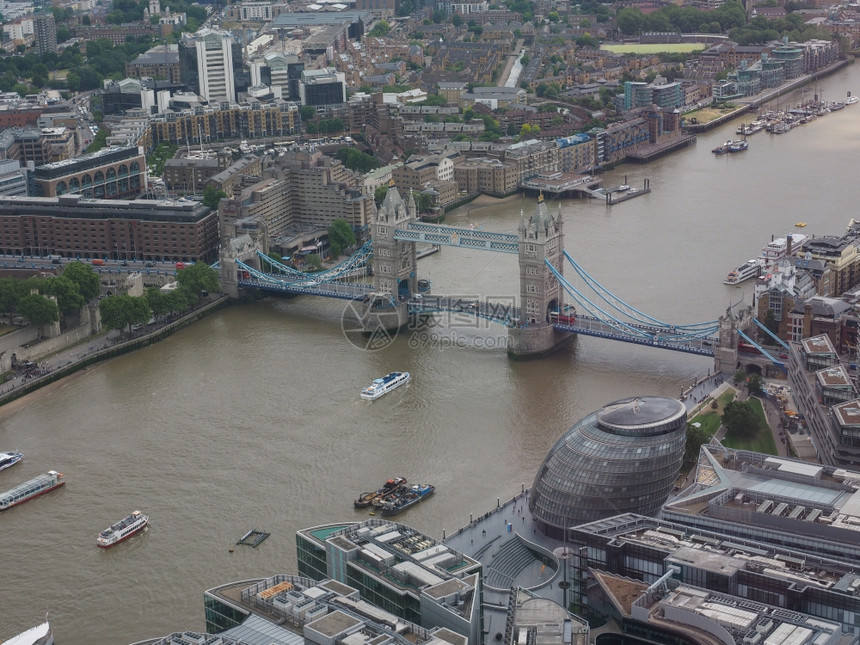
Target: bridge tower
x,y
394,264
726,353
540,239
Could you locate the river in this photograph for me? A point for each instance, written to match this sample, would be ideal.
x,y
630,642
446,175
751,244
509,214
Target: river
x,y
251,417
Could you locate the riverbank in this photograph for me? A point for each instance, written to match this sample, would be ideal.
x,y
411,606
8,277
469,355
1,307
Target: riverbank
x,y
99,348
754,102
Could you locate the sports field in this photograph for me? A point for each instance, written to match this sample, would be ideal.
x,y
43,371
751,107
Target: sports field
x,y
654,48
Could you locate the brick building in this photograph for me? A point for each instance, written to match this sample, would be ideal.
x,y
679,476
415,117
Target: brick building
x,y
72,226
110,173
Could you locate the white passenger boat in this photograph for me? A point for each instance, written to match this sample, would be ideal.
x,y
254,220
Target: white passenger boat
x,y
384,385
771,253
39,635
30,489
122,530
8,459
749,269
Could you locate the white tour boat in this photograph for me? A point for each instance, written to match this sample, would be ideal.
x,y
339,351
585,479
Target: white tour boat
x,y
384,385
122,530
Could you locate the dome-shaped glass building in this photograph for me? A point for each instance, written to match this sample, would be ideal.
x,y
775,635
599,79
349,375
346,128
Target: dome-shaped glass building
x,y
624,458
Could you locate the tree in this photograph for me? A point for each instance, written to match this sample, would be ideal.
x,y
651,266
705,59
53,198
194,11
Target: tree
x,y
157,300
696,438
379,194
340,236
314,260
38,309
86,279
68,295
307,113
740,376
123,311
423,201
740,419
380,29
456,20
198,277
212,196
10,293
755,383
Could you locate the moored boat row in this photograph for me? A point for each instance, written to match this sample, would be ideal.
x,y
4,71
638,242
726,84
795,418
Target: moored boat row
x,y
404,498
366,499
771,253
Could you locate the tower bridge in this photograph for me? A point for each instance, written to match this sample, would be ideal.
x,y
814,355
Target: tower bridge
x,y
550,308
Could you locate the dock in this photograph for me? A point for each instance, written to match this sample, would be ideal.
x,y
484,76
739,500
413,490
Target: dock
x,y
253,538
615,196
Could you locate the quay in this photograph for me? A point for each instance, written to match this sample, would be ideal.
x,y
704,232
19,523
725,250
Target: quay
x,y
616,196
649,153
753,103
427,250
559,183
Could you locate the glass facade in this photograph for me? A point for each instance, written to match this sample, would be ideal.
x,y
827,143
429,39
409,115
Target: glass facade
x,y
221,616
622,458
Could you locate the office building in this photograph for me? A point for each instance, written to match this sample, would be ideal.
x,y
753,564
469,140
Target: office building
x,y
672,612
110,173
646,549
400,570
322,87
45,33
72,226
774,500
623,458
215,71
13,178
285,71
160,63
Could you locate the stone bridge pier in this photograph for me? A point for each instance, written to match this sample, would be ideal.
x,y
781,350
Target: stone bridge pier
x,y
726,352
242,248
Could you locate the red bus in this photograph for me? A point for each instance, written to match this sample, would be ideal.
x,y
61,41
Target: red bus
x,y
567,318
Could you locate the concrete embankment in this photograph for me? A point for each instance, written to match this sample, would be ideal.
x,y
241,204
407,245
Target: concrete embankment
x,y
103,352
753,103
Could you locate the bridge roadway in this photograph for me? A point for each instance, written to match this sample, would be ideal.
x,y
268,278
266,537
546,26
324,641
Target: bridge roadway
x,y
652,336
462,237
502,313
342,290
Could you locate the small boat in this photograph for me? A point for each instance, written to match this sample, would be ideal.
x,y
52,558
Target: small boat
x,y
721,150
851,99
122,530
800,224
30,489
622,188
39,635
384,385
366,499
738,146
404,498
8,459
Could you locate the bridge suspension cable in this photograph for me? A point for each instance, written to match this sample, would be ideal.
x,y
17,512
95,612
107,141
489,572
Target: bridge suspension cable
x,y
342,270
631,312
642,326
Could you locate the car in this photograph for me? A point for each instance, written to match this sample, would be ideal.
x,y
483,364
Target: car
x,y
124,263
149,264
